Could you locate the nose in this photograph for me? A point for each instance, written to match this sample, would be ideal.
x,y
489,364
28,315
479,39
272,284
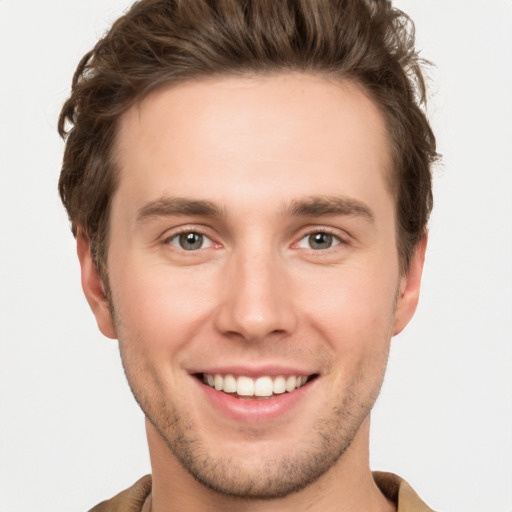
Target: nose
x,y
256,297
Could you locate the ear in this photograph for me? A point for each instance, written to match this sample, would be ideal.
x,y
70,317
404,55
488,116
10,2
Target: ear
x,y
93,287
409,290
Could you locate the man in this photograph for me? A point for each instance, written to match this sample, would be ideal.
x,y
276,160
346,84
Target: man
x,y
249,186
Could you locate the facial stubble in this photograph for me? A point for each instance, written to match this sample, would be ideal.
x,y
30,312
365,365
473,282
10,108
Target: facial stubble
x,y
265,478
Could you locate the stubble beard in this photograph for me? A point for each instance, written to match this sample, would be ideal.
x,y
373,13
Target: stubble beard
x,y
264,478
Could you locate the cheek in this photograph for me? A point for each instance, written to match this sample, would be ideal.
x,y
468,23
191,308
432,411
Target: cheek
x,y
159,307
355,307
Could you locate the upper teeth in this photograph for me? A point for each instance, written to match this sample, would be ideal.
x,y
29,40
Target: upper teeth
x,y
246,386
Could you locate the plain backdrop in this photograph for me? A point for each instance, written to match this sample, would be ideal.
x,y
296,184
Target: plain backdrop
x,y
70,432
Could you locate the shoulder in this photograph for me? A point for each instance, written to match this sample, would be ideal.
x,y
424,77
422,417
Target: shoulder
x,y
400,492
129,500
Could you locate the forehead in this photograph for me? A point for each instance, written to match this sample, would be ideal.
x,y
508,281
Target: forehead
x,y
280,134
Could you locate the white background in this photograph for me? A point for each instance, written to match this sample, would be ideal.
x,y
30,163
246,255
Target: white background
x,y
70,432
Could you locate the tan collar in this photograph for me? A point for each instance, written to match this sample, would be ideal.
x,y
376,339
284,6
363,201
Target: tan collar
x,y
137,498
400,492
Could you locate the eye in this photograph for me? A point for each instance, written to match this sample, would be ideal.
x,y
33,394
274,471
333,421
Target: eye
x,y
190,241
319,241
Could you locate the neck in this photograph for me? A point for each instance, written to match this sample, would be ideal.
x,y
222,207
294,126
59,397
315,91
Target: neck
x,y
347,486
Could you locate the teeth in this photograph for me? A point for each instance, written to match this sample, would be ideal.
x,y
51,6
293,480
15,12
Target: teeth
x,y
279,385
230,384
262,386
291,383
244,386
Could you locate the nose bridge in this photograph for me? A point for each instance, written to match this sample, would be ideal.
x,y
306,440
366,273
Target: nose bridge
x,y
256,300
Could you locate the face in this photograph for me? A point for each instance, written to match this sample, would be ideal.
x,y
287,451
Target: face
x,y
254,276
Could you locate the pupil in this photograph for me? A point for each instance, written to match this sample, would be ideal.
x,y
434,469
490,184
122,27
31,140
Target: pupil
x,y
320,241
191,241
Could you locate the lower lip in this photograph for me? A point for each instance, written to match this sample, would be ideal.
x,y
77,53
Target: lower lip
x,y
254,410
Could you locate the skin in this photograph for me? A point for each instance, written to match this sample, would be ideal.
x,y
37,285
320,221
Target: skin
x,y
257,293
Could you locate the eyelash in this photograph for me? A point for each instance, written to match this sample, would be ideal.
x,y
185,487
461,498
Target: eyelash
x,y
187,231
340,238
335,239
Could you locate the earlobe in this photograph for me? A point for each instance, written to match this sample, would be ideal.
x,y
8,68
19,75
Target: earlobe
x,y
409,290
93,287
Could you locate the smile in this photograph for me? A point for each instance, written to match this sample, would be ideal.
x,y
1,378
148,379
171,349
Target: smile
x,y
261,387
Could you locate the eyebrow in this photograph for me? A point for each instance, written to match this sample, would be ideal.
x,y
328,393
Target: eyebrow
x,y
318,206
168,206
313,206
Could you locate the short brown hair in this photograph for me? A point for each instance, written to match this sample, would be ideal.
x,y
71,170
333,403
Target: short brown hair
x,y
163,42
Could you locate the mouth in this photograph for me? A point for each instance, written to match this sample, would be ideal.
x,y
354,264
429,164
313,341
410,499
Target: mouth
x,y
260,388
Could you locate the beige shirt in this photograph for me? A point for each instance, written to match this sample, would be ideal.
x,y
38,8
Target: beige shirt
x,y
137,497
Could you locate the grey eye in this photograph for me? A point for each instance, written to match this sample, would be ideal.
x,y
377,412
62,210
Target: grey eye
x,y
190,241
319,241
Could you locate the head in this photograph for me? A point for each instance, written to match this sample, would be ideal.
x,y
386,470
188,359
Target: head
x,y
159,43
250,182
